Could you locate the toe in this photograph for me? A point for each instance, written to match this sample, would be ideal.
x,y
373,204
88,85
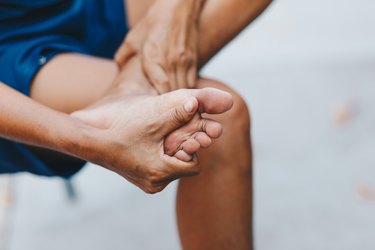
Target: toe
x,y
191,146
183,156
214,101
203,139
212,128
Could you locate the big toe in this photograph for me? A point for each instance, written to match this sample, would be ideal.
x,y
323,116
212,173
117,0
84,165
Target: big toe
x,y
213,101
209,100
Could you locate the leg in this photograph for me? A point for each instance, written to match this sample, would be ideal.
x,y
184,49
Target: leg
x,y
67,84
139,119
214,209
61,86
221,21
72,81
223,232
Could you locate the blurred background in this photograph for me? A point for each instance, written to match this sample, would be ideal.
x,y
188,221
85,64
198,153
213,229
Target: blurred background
x,y
307,70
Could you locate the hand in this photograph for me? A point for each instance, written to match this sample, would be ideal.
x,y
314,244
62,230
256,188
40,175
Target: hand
x,y
166,39
130,134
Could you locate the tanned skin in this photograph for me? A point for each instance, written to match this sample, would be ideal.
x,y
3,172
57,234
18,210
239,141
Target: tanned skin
x,y
214,209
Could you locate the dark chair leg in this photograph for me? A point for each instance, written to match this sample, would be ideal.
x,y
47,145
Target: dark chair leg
x,y
70,190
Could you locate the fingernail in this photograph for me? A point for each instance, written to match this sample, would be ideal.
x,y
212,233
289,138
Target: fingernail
x,y
189,105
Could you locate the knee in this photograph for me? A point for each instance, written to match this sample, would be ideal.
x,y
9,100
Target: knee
x,y
238,118
236,136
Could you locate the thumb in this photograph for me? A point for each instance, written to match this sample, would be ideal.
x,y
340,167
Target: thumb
x,y
124,53
180,115
156,75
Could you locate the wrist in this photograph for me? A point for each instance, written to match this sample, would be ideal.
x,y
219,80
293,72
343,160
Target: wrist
x,y
80,140
192,7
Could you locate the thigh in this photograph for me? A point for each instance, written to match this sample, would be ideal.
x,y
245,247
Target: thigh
x,y
67,83
72,81
136,9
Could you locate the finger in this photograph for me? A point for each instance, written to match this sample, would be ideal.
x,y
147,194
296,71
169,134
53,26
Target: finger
x,y
179,116
124,53
180,168
173,81
192,76
181,77
156,75
185,62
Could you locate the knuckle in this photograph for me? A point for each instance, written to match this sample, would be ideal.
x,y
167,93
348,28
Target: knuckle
x,y
151,51
172,61
184,57
179,50
177,53
194,60
178,115
153,189
161,80
154,176
149,190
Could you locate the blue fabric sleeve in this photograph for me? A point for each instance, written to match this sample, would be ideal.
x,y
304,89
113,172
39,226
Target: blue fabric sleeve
x,y
31,34
21,60
16,157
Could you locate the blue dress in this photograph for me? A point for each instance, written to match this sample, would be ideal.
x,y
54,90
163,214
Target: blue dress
x,y
33,32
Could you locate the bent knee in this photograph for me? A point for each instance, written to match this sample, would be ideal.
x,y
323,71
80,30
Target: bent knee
x,y
238,118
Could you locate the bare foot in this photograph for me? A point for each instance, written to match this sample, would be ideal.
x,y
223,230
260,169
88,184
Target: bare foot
x,y
139,124
198,133
184,142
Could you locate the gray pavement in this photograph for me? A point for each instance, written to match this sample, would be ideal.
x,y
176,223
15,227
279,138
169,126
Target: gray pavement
x,y
307,70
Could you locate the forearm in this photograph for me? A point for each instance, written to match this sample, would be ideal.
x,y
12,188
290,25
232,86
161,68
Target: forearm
x,y
195,7
184,13
26,121
166,40
219,20
222,20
